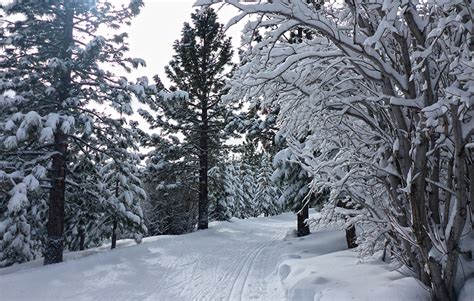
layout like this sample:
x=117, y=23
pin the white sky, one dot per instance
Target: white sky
x=153, y=32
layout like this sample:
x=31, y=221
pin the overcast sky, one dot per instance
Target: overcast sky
x=156, y=28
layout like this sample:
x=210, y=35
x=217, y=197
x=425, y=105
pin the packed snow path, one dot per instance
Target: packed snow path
x=250, y=259
x=229, y=261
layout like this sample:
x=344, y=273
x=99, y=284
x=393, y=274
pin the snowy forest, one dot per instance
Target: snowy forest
x=345, y=119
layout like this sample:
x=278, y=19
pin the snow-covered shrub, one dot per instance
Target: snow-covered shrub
x=385, y=90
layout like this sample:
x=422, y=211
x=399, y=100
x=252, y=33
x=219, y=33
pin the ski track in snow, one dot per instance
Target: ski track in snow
x=229, y=261
x=253, y=259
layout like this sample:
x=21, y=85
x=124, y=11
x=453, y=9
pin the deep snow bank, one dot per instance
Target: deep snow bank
x=318, y=267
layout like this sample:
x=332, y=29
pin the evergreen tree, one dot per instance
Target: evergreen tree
x=105, y=191
x=223, y=193
x=200, y=66
x=294, y=182
x=51, y=72
x=268, y=193
x=247, y=179
x=243, y=188
x=170, y=182
x=124, y=189
x=84, y=205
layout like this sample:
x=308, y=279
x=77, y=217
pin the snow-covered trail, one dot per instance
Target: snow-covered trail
x=229, y=261
x=251, y=259
x=235, y=261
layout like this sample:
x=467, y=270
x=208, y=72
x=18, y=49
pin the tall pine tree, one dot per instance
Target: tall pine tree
x=52, y=70
x=200, y=66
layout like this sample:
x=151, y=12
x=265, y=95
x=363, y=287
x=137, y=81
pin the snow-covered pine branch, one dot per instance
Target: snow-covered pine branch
x=54, y=87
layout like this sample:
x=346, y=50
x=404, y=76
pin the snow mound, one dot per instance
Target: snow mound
x=318, y=267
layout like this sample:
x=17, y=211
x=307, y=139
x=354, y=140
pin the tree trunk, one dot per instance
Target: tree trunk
x=351, y=237
x=55, y=227
x=471, y=195
x=82, y=238
x=461, y=212
x=114, y=234
x=302, y=227
x=203, y=168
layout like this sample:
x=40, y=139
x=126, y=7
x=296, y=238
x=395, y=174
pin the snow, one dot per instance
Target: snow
x=39, y=171
x=52, y=121
x=19, y=199
x=31, y=182
x=32, y=120
x=467, y=291
x=46, y=135
x=178, y=94
x=10, y=142
x=10, y=125
x=252, y=259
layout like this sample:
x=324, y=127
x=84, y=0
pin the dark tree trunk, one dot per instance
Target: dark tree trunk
x=351, y=237
x=55, y=227
x=302, y=228
x=203, y=168
x=114, y=223
x=82, y=238
x=114, y=234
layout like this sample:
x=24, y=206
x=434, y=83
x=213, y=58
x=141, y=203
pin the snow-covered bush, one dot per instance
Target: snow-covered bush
x=382, y=93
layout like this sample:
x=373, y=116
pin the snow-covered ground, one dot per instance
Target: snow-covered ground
x=252, y=259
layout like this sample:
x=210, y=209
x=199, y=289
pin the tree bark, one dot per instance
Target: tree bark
x=470, y=167
x=82, y=238
x=114, y=223
x=203, y=168
x=302, y=228
x=114, y=235
x=460, y=215
x=351, y=237
x=55, y=227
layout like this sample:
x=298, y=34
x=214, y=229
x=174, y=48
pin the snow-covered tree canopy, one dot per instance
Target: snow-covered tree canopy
x=383, y=90
x=55, y=86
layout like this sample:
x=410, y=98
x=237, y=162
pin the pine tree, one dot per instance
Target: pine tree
x=170, y=182
x=105, y=192
x=268, y=193
x=247, y=179
x=84, y=205
x=52, y=71
x=200, y=65
x=294, y=182
x=124, y=188
x=222, y=196
x=237, y=194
